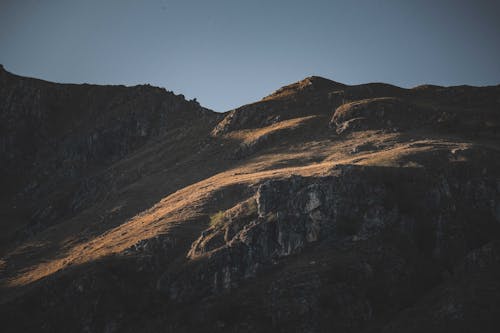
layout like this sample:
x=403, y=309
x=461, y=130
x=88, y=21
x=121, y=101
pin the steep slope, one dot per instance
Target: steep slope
x=321, y=207
x=59, y=141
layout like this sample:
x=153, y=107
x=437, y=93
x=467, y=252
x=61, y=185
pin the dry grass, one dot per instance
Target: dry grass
x=251, y=135
x=289, y=90
x=313, y=157
x=217, y=219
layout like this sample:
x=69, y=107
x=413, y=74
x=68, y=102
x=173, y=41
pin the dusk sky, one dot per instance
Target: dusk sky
x=227, y=53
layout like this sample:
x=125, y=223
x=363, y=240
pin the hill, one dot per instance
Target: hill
x=322, y=207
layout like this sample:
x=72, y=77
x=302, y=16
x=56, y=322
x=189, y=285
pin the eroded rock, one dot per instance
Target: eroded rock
x=433, y=213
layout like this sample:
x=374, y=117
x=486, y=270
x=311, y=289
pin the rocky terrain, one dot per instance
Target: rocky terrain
x=323, y=207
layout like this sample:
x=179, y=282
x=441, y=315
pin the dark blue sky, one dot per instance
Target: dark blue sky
x=229, y=52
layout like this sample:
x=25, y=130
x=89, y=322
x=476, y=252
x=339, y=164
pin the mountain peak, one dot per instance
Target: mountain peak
x=309, y=84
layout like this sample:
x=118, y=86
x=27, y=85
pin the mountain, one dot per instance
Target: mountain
x=323, y=207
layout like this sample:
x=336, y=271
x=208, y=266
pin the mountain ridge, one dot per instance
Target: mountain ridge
x=195, y=219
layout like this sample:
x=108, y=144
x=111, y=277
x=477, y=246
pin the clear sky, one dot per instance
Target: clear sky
x=227, y=53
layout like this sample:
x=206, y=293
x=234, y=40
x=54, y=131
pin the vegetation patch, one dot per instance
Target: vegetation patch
x=217, y=219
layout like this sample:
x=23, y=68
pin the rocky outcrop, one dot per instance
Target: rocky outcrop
x=441, y=216
x=386, y=113
x=379, y=113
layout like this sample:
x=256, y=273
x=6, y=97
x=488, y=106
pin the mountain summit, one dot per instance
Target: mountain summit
x=322, y=207
x=309, y=84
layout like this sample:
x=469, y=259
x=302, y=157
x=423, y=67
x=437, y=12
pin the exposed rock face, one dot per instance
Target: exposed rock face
x=424, y=225
x=394, y=114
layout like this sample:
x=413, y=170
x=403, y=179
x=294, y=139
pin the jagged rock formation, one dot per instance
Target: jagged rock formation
x=428, y=223
x=323, y=207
